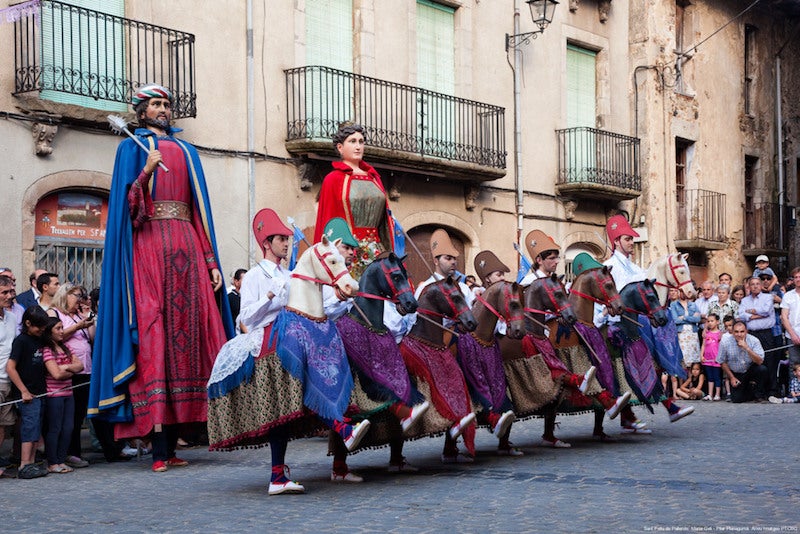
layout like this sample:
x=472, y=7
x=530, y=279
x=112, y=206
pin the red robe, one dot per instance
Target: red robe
x=337, y=198
x=180, y=327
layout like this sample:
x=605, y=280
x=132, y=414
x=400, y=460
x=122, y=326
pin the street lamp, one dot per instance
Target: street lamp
x=542, y=12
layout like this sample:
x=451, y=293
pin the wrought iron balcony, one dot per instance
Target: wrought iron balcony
x=68, y=52
x=762, y=228
x=430, y=130
x=597, y=164
x=701, y=220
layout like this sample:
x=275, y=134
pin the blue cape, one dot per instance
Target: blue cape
x=116, y=343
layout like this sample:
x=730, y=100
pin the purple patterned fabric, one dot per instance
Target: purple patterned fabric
x=483, y=369
x=376, y=356
x=314, y=354
x=600, y=357
x=638, y=363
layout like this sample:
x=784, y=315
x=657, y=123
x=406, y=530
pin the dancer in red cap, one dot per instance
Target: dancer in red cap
x=621, y=236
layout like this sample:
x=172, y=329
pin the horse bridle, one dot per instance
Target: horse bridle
x=551, y=295
x=649, y=311
x=507, y=298
x=672, y=269
x=450, y=302
x=321, y=258
x=596, y=277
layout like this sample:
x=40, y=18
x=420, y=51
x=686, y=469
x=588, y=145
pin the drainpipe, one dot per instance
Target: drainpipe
x=779, y=136
x=251, y=105
x=518, y=129
x=779, y=140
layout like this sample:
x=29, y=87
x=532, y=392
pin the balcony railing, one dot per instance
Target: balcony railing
x=600, y=161
x=78, y=52
x=701, y=217
x=395, y=116
x=762, y=226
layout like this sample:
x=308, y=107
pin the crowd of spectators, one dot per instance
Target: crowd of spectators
x=740, y=343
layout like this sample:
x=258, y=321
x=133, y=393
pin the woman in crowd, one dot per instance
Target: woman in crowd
x=724, y=306
x=71, y=307
x=737, y=294
x=687, y=318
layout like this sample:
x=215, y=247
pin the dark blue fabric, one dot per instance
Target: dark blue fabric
x=663, y=344
x=115, y=346
x=313, y=353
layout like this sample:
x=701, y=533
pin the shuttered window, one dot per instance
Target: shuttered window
x=435, y=47
x=581, y=83
x=74, y=45
x=329, y=43
x=329, y=33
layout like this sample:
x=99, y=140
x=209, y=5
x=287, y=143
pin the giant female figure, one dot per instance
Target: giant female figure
x=353, y=191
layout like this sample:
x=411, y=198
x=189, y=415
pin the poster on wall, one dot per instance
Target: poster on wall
x=66, y=216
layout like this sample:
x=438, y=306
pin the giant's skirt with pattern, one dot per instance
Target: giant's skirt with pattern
x=251, y=394
x=530, y=384
x=440, y=379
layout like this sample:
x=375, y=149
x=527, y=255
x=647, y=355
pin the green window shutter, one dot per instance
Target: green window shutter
x=329, y=43
x=435, y=47
x=88, y=46
x=581, y=83
x=329, y=33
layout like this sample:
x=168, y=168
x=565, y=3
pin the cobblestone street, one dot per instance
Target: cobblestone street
x=725, y=468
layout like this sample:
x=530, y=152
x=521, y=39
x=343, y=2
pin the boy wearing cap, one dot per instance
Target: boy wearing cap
x=159, y=327
x=336, y=304
x=763, y=268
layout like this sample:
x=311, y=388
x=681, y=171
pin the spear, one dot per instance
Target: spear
x=119, y=125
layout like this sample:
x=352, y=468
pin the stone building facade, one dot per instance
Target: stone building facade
x=608, y=109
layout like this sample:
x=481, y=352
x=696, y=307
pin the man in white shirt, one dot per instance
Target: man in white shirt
x=8, y=331
x=708, y=296
x=544, y=254
x=790, y=317
x=621, y=236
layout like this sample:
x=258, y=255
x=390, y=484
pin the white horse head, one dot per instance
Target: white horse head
x=332, y=268
x=671, y=271
x=320, y=264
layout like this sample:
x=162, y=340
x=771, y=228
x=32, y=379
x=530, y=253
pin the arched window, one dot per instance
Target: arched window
x=69, y=235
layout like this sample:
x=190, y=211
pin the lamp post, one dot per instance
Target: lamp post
x=542, y=14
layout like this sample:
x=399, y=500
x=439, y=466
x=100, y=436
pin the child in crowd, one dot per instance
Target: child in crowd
x=692, y=388
x=711, y=338
x=794, y=388
x=763, y=269
x=25, y=369
x=727, y=321
x=61, y=365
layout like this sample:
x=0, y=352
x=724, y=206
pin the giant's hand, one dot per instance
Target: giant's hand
x=153, y=159
x=216, y=279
